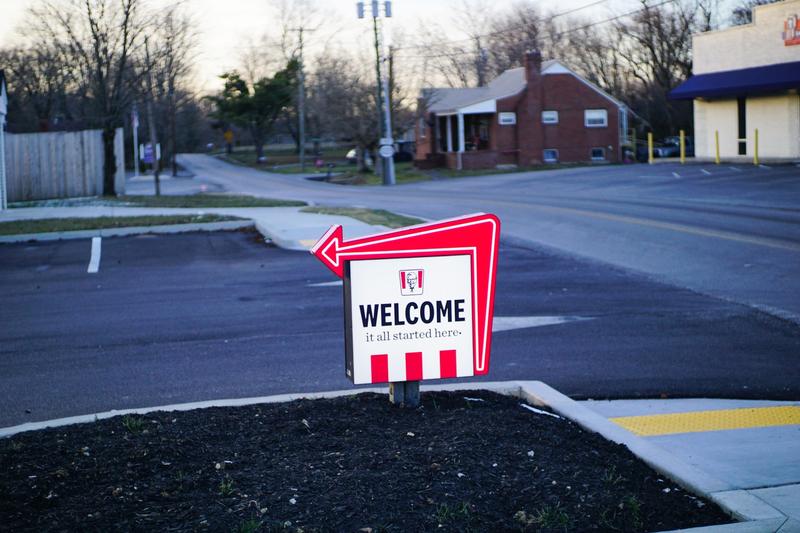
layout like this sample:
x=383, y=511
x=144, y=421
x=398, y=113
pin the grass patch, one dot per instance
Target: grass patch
x=547, y=517
x=18, y=227
x=226, y=487
x=286, y=161
x=376, y=217
x=189, y=200
x=446, y=513
x=133, y=424
x=345, y=172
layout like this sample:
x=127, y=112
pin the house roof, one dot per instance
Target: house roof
x=510, y=82
x=755, y=80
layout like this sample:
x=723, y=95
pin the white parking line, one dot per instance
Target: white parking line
x=765, y=166
x=675, y=174
x=94, y=260
x=736, y=169
x=706, y=172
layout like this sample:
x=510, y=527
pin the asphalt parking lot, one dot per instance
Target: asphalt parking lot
x=179, y=318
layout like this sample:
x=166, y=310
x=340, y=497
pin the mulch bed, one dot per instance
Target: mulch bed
x=471, y=461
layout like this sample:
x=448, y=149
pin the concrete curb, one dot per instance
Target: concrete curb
x=757, y=516
x=132, y=230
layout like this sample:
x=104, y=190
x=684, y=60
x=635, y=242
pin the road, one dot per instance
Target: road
x=179, y=318
x=729, y=231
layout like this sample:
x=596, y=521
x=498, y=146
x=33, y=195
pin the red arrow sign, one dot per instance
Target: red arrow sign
x=475, y=235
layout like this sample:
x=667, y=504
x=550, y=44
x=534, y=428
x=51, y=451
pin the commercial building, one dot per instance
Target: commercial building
x=746, y=78
x=540, y=113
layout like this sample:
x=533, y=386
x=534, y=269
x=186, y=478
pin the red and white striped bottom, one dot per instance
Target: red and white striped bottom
x=415, y=366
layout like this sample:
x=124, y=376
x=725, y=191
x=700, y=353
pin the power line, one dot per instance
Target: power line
x=510, y=28
x=551, y=37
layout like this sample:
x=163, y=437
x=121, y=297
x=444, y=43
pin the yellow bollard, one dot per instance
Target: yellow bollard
x=755, y=152
x=683, y=147
x=716, y=140
x=650, y=147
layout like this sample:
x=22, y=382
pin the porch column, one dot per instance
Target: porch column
x=437, y=135
x=460, y=155
x=449, y=133
x=460, y=132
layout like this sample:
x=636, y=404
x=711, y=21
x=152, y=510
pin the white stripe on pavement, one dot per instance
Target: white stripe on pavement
x=675, y=174
x=706, y=172
x=94, y=261
x=336, y=283
x=507, y=323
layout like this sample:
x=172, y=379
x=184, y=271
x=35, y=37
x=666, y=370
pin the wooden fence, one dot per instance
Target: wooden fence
x=40, y=166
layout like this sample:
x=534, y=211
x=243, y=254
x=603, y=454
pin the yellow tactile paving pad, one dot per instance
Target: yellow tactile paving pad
x=697, y=421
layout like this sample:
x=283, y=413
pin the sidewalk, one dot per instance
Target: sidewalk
x=746, y=448
x=287, y=227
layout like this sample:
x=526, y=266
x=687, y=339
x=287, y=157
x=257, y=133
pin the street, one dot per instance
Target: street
x=170, y=319
x=728, y=231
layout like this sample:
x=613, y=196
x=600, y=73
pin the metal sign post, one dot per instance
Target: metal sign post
x=418, y=301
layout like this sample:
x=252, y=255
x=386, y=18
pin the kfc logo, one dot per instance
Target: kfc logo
x=791, y=31
x=411, y=282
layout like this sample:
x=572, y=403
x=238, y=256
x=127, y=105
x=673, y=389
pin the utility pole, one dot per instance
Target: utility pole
x=151, y=120
x=386, y=150
x=301, y=102
x=173, y=117
x=135, y=128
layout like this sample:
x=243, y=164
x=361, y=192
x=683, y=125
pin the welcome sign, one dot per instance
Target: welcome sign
x=418, y=301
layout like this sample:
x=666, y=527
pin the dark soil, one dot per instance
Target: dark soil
x=348, y=464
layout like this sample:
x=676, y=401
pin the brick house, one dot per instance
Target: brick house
x=540, y=113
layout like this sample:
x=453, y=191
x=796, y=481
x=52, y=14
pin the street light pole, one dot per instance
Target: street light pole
x=386, y=150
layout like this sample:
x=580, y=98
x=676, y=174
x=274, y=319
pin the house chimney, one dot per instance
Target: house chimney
x=533, y=65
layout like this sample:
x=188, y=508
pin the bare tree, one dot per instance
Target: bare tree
x=655, y=45
x=513, y=33
x=743, y=12
x=172, y=63
x=342, y=98
x=99, y=38
x=41, y=85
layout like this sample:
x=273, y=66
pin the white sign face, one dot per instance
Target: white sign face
x=386, y=150
x=411, y=319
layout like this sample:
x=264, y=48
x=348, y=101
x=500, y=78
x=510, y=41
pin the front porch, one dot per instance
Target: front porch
x=463, y=141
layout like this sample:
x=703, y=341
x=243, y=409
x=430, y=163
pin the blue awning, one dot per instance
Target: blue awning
x=746, y=81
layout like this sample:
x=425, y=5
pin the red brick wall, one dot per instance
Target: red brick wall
x=573, y=140
x=424, y=144
x=503, y=139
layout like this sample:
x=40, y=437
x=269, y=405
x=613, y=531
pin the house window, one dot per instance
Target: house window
x=506, y=119
x=422, y=126
x=598, y=154
x=549, y=117
x=595, y=118
x=550, y=155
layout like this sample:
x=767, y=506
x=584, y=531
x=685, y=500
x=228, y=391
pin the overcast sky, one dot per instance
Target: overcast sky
x=226, y=25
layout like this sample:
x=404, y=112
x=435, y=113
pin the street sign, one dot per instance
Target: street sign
x=386, y=150
x=147, y=154
x=418, y=301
